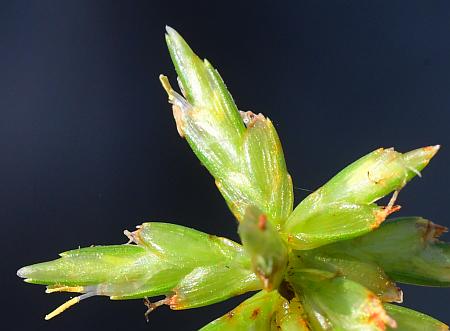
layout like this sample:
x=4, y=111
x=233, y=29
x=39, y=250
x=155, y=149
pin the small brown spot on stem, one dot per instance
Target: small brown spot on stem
x=255, y=313
x=262, y=222
x=230, y=315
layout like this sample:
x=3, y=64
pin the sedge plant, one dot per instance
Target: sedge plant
x=331, y=263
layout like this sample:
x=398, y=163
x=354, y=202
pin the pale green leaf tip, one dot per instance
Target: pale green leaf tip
x=172, y=32
x=24, y=272
x=419, y=158
x=166, y=85
x=169, y=32
x=175, y=41
x=169, y=28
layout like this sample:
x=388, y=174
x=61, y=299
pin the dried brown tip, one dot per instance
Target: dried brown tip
x=133, y=237
x=151, y=306
x=431, y=231
x=250, y=118
x=381, y=215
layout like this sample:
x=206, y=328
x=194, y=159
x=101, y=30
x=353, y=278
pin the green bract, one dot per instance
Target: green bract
x=269, y=253
x=329, y=264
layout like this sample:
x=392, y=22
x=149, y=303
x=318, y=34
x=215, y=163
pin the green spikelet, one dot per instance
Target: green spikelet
x=331, y=263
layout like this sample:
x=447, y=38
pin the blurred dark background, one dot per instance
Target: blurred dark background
x=89, y=146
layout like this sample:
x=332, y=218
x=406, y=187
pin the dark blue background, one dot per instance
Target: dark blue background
x=89, y=147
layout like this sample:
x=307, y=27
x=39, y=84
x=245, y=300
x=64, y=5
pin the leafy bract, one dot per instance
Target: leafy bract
x=337, y=303
x=268, y=252
x=410, y=320
x=188, y=266
x=366, y=273
x=255, y=313
x=246, y=160
x=344, y=207
x=407, y=249
x=211, y=284
x=265, y=311
x=318, y=267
